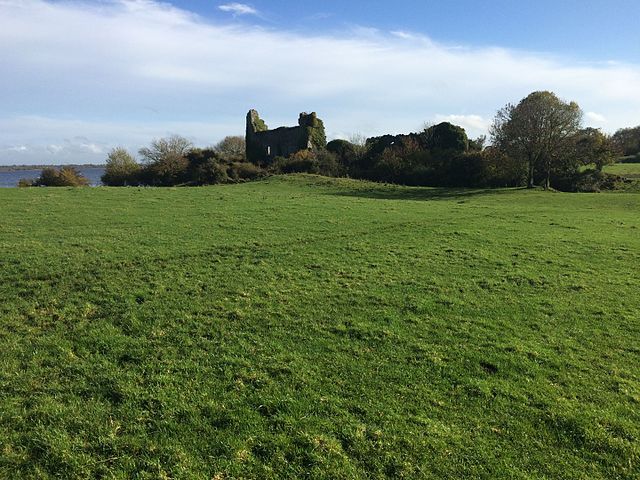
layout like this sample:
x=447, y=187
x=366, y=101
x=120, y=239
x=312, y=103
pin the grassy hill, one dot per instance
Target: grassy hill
x=307, y=327
x=629, y=170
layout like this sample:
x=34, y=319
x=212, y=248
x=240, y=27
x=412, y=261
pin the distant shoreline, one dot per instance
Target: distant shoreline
x=17, y=168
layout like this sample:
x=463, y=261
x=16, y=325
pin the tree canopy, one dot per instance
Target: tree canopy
x=538, y=131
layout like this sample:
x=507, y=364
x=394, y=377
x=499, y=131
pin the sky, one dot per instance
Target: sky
x=80, y=77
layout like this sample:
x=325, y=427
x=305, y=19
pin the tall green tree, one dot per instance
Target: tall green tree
x=628, y=140
x=121, y=169
x=538, y=131
x=595, y=148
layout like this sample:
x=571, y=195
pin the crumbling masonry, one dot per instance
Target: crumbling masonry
x=263, y=145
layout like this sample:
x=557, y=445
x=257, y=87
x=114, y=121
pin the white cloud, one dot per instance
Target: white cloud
x=474, y=123
x=595, y=117
x=126, y=71
x=17, y=148
x=238, y=9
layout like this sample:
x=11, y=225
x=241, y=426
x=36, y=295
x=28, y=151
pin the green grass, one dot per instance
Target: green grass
x=629, y=170
x=306, y=327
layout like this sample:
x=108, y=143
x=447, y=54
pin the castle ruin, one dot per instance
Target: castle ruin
x=263, y=145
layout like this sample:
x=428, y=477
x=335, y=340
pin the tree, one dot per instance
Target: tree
x=446, y=136
x=121, y=169
x=165, y=162
x=164, y=148
x=538, y=131
x=478, y=144
x=593, y=147
x=231, y=148
x=628, y=140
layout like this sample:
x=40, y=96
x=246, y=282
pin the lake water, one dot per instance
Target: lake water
x=11, y=178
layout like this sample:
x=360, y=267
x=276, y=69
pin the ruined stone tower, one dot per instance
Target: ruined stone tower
x=263, y=145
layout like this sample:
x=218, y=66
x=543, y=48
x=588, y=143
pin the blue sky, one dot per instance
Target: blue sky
x=80, y=77
x=584, y=29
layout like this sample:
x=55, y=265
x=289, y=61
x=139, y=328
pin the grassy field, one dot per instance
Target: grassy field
x=303, y=327
x=629, y=170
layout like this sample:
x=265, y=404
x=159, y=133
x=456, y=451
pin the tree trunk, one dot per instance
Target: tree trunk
x=547, y=180
x=530, y=174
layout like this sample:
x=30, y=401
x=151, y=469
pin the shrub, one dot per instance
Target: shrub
x=303, y=161
x=121, y=169
x=347, y=154
x=165, y=162
x=446, y=136
x=203, y=167
x=590, y=181
x=246, y=171
x=328, y=164
x=26, y=182
x=63, y=177
x=168, y=171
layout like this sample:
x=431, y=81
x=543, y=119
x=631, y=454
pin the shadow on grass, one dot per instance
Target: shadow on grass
x=397, y=192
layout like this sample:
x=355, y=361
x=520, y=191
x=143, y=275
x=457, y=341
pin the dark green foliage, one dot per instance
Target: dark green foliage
x=540, y=132
x=241, y=171
x=66, y=176
x=170, y=170
x=320, y=162
x=628, y=140
x=165, y=163
x=303, y=161
x=205, y=167
x=221, y=164
x=446, y=137
x=478, y=144
x=305, y=327
x=592, y=147
x=342, y=148
x=591, y=181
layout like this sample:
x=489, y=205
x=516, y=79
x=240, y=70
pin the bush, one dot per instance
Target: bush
x=347, y=154
x=166, y=164
x=26, y=182
x=303, y=161
x=63, y=177
x=446, y=136
x=328, y=164
x=589, y=181
x=245, y=171
x=168, y=171
x=121, y=169
x=203, y=167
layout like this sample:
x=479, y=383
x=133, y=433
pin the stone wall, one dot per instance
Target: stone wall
x=263, y=145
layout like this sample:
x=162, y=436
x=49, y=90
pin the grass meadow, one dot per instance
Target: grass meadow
x=303, y=327
x=629, y=170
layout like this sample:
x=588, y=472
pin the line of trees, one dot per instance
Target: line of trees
x=175, y=161
x=539, y=141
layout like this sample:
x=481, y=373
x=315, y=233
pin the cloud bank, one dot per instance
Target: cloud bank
x=87, y=76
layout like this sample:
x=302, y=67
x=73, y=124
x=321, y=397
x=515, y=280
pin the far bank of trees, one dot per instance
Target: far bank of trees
x=539, y=141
